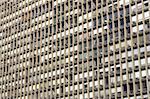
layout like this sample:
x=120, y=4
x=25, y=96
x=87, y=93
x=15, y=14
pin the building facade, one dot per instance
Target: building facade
x=75, y=49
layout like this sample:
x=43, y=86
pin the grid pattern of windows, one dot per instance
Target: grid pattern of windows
x=74, y=49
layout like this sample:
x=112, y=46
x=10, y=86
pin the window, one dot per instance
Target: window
x=50, y=29
x=121, y=13
x=94, y=22
x=144, y=84
x=116, y=23
x=141, y=40
x=40, y=9
x=110, y=26
x=122, y=22
x=71, y=40
x=125, y=88
x=106, y=80
x=148, y=38
x=99, y=21
x=131, y=87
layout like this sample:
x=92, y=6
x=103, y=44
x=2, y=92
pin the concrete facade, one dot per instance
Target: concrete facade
x=75, y=49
